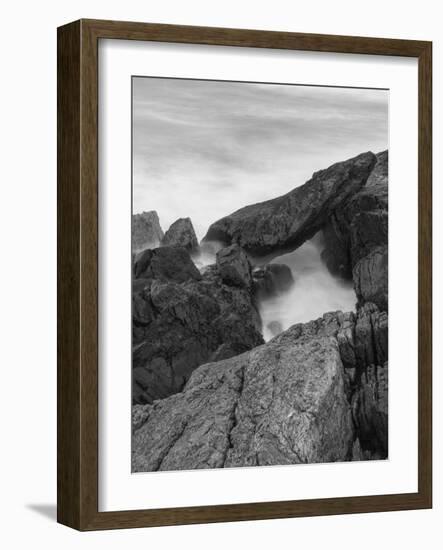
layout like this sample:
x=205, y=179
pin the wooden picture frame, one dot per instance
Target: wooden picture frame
x=78, y=274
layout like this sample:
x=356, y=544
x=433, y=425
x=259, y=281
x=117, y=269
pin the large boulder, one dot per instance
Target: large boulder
x=166, y=263
x=182, y=319
x=146, y=231
x=284, y=223
x=315, y=393
x=277, y=404
x=181, y=233
x=234, y=267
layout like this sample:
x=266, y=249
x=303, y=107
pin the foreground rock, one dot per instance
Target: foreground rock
x=286, y=222
x=315, y=393
x=146, y=231
x=181, y=233
x=356, y=237
x=182, y=319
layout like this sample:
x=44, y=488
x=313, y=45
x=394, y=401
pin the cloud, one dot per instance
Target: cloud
x=205, y=148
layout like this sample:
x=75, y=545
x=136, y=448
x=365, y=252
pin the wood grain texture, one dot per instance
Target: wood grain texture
x=78, y=274
x=68, y=275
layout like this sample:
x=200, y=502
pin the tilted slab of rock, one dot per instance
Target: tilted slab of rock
x=284, y=223
x=146, y=231
x=181, y=233
x=306, y=396
x=277, y=404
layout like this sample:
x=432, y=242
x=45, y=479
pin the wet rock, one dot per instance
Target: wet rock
x=181, y=233
x=234, y=267
x=271, y=279
x=166, y=263
x=356, y=237
x=286, y=222
x=146, y=231
x=178, y=325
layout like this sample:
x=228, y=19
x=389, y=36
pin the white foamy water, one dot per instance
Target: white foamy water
x=314, y=292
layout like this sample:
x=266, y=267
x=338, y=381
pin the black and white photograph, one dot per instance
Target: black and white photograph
x=259, y=274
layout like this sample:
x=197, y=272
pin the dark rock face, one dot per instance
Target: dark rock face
x=234, y=267
x=181, y=233
x=356, y=237
x=370, y=411
x=309, y=395
x=370, y=276
x=271, y=279
x=181, y=319
x=146, y=231
x=166, y=263
x=286, y=222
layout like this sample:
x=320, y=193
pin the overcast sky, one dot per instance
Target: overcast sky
x=204, y=149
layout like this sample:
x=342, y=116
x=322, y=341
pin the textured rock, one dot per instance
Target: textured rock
x=370, y=411
x=277, y=404
x=166, y=263
x=306, y=396
x=234, y=267
x=181, y=233
x=285, y=222
x=370, y=276
x=357, y=235
x=180, y=322
x=271, y=279
x=146, y=231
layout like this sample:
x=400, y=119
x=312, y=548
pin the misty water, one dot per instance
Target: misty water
x=314, y=292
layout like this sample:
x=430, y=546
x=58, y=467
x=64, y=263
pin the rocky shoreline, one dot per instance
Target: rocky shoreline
x=208, y=392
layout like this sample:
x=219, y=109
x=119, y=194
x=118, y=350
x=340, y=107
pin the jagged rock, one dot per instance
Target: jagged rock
x=355, y=230
x=370, y=411
x=140, y=414
x=271, y=279
x=178, y=325
x=234, y=267
x=166, y=263
x=285, y=222
x=281, y=403
x=181, y=233
x=370, y=276
x=371, y=336
x=146, y=231
x=289, y=401
x=224, y=351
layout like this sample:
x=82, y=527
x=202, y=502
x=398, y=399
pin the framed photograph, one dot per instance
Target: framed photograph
x=244, y=254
